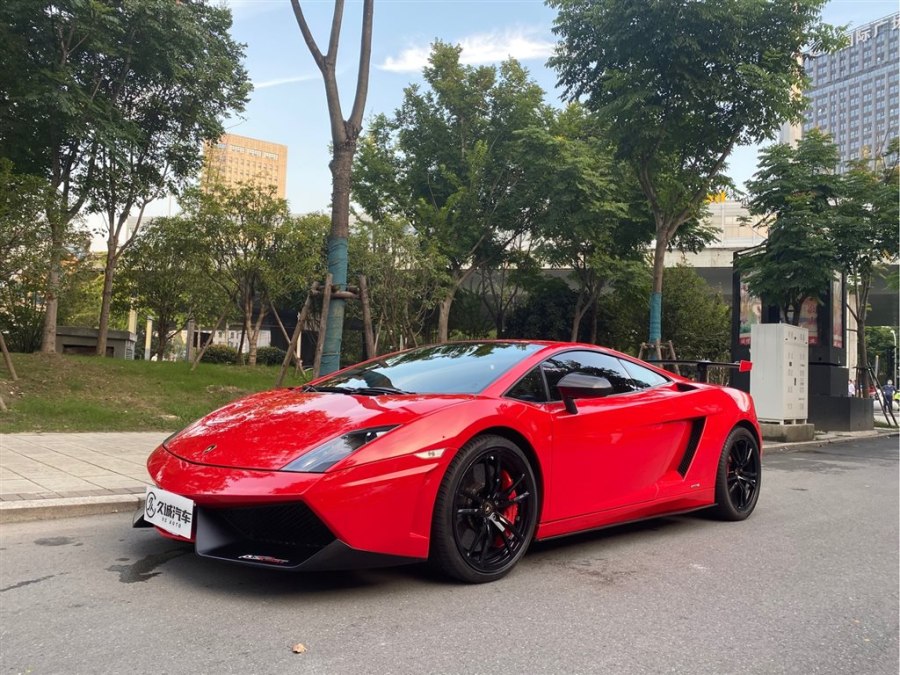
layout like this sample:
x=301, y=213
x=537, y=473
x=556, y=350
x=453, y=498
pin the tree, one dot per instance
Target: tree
x=25, y=243
x=446, y=162
x=163, y=273
x=258, y=253
x=405, y=279
x=107, y=100
x=864, y=235
x=159, y=113
x=795, y=192
x=678, y=83
x=50, y=106
x=344, y=136
x=23, y=229
x=699, y=321
x=586, y=223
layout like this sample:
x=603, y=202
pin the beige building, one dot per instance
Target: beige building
x=234, y=160
x=730, y=218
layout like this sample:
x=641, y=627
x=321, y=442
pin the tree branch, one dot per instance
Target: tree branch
x=307, y=35
x=362, y=77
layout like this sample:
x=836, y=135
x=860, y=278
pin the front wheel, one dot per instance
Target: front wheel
x=486, y=511
x=739, y=476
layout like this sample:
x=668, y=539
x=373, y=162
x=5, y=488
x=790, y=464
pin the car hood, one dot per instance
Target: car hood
x=267, y=431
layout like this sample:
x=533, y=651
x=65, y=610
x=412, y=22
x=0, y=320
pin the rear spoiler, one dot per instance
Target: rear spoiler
x=703, y=366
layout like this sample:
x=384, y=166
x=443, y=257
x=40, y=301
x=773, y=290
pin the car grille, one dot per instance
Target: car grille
x=290, y=532
x=284, y=524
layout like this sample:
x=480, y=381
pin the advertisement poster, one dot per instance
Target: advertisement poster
x=809, y=319
x=751, y=313
x=837, y=313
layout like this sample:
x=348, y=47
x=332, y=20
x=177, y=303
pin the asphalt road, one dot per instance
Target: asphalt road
x=809, y=584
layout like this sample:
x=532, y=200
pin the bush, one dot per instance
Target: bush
x=270, y=356
x=220, y=354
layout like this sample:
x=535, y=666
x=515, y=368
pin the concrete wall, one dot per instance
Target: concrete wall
x=78, y=340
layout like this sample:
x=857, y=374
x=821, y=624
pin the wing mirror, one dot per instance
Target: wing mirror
x=580, y=385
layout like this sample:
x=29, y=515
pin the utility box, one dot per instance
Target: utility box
x=779, y=381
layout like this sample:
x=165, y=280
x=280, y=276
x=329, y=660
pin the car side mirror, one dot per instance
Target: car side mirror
x=580, y=385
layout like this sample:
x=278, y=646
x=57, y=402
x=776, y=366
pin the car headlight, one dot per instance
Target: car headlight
x=328, y=454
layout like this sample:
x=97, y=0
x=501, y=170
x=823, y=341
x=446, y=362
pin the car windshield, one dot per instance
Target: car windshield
x=455, y=368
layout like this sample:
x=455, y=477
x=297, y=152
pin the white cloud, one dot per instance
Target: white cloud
x=266, y=84
x=482, y=48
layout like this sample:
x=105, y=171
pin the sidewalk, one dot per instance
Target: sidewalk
x=45, y=476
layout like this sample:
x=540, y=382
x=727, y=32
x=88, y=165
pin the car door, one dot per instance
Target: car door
x=614, y=451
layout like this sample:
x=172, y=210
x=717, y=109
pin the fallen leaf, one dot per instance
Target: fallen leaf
x=299, y=648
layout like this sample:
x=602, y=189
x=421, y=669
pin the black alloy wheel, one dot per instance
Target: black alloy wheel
x=486, y=511
x=739, y=476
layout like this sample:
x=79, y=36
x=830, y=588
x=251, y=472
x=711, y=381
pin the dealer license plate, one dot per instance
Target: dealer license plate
x=170, y=512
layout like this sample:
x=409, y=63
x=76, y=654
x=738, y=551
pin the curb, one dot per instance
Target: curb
x=71, y=507
x=780, y=447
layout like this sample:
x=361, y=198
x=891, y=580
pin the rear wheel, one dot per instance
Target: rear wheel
x=486, y=511
x=739, y=476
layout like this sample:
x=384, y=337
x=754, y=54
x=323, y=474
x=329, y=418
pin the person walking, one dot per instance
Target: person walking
x=888, y=394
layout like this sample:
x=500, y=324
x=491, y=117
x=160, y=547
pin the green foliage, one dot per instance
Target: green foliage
x=546, y=314
x=880, y=343
x=270, y=356
x=405, y=278
x=699, y=321
x=446, y=163
x=220, y=354
x=676, y=84
x=864, y=233
x=590, y=219
x=163, y=274
x=111, y=102
x=796, y=191
x=254, y=250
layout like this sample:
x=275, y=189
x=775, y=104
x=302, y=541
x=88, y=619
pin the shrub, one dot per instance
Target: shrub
x=270, y=356
x=220, y=354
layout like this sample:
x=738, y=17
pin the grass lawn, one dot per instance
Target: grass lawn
x=86, y=393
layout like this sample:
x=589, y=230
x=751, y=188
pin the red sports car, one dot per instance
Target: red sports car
x=460, y=453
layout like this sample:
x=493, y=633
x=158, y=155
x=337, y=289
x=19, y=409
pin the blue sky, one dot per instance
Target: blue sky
x=288, y=103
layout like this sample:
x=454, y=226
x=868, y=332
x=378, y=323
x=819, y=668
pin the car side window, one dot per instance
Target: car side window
x=530, y=388
x=643, y=377
x=589, y=363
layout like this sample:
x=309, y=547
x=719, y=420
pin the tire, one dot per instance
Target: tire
x=739, y=476
x=486, y=511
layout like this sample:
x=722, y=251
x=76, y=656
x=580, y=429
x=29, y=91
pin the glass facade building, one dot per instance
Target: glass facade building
x=853, y=93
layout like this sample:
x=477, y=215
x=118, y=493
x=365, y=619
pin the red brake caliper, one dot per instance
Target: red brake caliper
x=511, y=511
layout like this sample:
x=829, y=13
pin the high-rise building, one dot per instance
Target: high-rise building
x=234, y=160
x=853, y=93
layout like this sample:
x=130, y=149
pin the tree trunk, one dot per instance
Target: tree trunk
x=659, y=265
x=51, y=293
x=253, y=337
x=162, y=332
x=580, y=309
x=344, y=135
x=862, y=371
x=447, y=302
x=861, y=296
x=106, y=298
x=337, y=253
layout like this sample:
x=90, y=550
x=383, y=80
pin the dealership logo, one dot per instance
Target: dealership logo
x=170, y=512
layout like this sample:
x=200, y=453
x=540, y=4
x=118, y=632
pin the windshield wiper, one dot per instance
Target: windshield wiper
x=382, y=390
x=329, y=390
x=365, y=391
